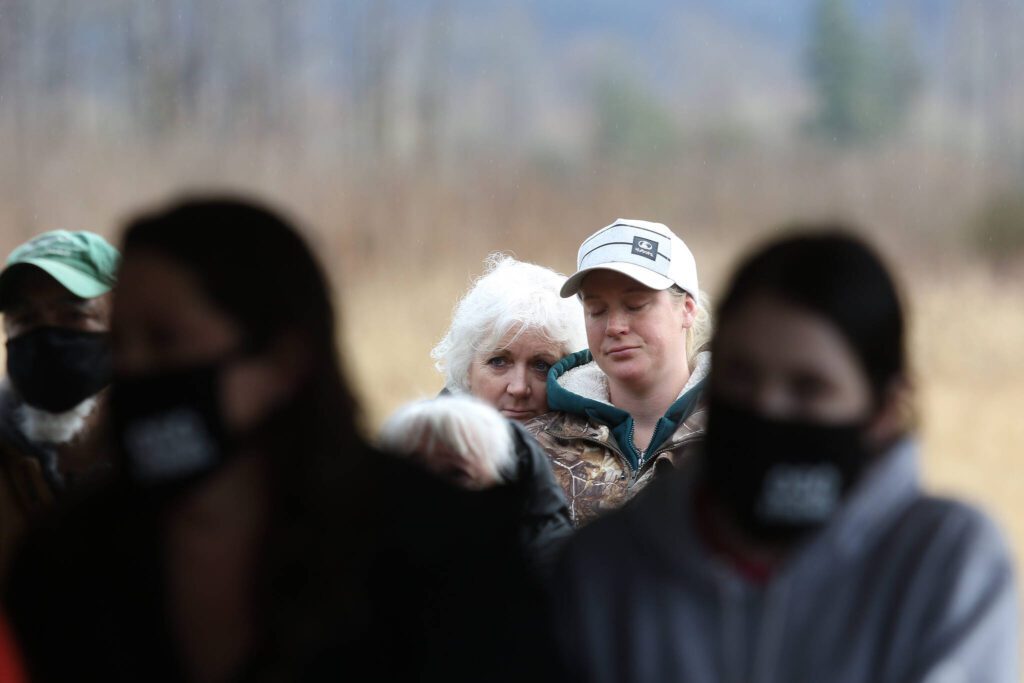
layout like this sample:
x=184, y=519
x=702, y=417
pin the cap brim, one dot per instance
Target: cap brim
x=642, y=275
x=74, y=281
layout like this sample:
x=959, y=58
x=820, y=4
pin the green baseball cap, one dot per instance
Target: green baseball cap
x=82, y=262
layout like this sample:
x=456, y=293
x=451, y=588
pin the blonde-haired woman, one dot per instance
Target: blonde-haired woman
x=632, y=402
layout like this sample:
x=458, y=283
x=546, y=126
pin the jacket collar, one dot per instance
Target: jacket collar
x=576, y=385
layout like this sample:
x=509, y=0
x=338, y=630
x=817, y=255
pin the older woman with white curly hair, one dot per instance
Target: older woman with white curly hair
x=506, y=333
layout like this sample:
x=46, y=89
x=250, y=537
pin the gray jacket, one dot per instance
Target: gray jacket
x=899, y=588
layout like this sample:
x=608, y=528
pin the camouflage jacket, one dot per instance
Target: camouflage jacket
x=25, y=489
x=591, y=449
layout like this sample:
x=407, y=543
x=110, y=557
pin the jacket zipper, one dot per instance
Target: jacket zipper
x=632, y=444
x=671, y=447
x=634, y=475
x=640, y=454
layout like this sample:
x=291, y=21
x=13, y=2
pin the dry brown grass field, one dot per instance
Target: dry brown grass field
x=967, y=346
x=403, y=246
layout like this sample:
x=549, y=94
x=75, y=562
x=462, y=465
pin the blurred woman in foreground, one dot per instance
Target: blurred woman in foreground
x=253, y=535
x=799, y=546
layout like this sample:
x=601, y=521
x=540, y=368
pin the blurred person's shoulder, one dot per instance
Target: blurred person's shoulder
x=930, y=530
x=87, y=575
x=406, y=499
x=951, y=534
x=88, y=531
x=648, y=533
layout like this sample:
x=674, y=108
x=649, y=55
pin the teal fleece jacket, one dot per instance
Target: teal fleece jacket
x=617, y=420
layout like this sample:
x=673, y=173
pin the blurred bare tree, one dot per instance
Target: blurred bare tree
x=328, y=103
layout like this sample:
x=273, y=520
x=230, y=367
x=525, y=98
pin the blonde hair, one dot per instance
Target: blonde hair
x=698, y=336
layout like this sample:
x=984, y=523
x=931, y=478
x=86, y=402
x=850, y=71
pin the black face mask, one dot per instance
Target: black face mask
x=54, y=369
x=781, y=479
x=169, y=426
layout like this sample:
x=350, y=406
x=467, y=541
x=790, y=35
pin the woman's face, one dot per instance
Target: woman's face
x=637, y=335
x=164, y=322
x=162, y=319
x=513, y=376
x=787, y=363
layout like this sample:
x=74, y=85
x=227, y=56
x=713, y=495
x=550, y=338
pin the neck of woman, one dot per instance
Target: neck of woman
x=648, y=403
x=213, y=541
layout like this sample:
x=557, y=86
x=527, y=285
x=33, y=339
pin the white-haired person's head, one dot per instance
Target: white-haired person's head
x=506, y=333
x=459, y=438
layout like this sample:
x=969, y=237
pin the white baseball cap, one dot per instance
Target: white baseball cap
x=648, y=252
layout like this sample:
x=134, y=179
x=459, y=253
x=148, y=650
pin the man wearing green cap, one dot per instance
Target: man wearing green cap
x=55, y=300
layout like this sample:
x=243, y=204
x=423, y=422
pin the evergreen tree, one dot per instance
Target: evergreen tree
x=835, y=64
x=864, y=86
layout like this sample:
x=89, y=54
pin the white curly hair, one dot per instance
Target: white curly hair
x=511, y=297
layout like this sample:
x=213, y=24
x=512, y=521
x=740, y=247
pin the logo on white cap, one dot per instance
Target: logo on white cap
x=645, y=248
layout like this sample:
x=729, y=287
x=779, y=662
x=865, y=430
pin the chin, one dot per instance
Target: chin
x=640, y=382
x=626, y=372
x=520, y=415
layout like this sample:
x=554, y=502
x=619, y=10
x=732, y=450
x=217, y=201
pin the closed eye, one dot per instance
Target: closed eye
x=636, y=304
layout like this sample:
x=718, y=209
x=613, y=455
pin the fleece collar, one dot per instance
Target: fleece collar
x=577, y=385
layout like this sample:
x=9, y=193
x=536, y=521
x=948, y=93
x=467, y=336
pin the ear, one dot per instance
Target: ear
x=289, y=356
x=894, y=417
x=689, y=311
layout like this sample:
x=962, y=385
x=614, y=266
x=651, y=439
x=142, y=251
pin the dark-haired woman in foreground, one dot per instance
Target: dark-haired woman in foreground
x=252, y=534
x=798, y=546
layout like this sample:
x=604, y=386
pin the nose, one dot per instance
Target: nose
x=617, y=324
x=518, y=386
x=772, y=400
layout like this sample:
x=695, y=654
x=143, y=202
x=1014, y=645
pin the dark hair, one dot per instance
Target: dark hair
x=830, y=273
x=257, y=270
